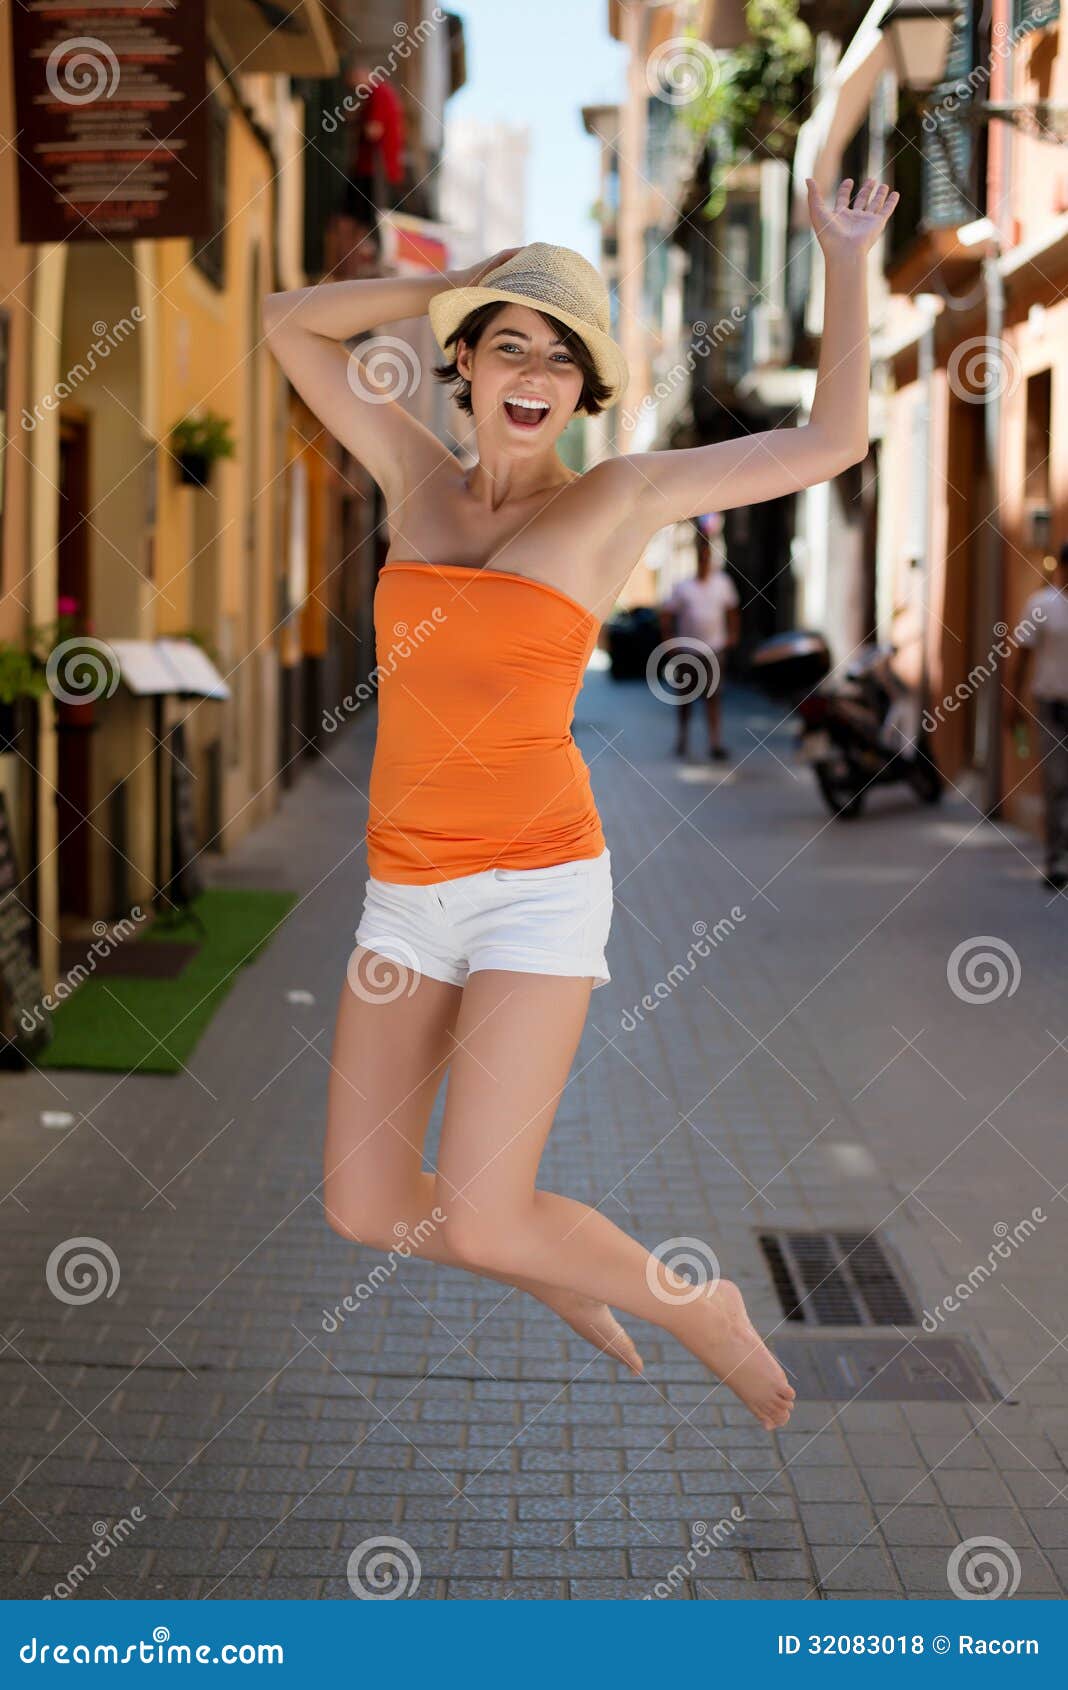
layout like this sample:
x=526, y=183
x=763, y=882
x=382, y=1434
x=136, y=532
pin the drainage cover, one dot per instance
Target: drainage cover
x=883, y=1369
x=837, y=1279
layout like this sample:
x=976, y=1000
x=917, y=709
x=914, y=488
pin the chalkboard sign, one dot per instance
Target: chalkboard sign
x=186, y=880
x=25, y=1024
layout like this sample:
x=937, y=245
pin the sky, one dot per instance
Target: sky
x=537, y=66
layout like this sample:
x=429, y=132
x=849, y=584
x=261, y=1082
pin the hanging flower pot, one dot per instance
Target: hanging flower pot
x=196, y=442
x=194, y=468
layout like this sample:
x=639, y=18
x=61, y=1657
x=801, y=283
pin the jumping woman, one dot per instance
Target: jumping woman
x=490, y=890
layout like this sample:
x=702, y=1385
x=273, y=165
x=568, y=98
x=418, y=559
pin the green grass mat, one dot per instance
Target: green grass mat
x=151, y=1026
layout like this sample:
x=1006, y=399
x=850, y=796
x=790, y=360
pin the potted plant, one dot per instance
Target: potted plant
x=197, y=441
x=23, y=671
x=755, y=104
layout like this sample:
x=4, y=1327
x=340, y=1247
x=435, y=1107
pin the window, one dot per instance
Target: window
x=1032, y=14
x=209, y=255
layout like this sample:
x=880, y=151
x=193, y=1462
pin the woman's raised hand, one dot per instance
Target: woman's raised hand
x=473, y=274
x=850, y=229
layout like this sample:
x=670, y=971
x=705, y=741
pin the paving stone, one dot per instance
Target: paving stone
x=866, y=1568
x=766, y=1590
x=838, y=1523
x=911, y=1526
x=621, y=1590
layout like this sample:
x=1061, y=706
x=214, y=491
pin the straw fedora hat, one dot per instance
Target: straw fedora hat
x=547, y=278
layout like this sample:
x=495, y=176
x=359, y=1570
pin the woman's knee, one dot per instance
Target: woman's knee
x=476, y=1241
x=375, y=1221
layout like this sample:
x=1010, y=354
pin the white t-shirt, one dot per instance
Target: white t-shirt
x=702, y=606
x=1048, y=638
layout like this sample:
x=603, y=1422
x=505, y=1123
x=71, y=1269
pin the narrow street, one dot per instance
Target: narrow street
x=832, y=1064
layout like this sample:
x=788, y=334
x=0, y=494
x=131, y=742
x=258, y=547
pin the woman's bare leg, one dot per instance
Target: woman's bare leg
x=516, y=1038
x=392, y=1044
x=514, y=1041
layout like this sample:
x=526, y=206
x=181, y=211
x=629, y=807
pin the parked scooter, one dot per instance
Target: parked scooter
x=861, y=732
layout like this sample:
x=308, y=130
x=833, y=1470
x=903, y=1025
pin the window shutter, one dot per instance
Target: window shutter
x=1033, y=14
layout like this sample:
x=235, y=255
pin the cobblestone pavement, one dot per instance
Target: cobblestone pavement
x=823, y=1066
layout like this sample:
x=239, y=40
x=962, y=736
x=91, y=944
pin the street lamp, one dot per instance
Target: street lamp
x=919, y=37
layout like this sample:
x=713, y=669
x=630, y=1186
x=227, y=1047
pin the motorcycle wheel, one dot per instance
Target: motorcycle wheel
x=925, y=780
x=842, y=797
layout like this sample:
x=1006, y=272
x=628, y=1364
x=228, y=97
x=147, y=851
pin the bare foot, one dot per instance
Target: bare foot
x=717, y=1329
x=596, y=1323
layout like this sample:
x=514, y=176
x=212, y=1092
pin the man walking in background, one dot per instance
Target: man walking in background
x=1042, y=662
x=705, y=610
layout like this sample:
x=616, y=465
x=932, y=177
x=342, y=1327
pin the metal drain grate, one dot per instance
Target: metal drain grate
x=836, y=1279
x=883, y=1369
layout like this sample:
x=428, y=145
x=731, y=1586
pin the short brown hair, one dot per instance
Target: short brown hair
x=595, y=392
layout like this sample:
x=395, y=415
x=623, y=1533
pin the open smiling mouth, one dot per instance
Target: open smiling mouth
x=526, y=413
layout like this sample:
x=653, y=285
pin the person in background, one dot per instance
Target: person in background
x=1041, y=662
x=705, y=610
x=375, y=129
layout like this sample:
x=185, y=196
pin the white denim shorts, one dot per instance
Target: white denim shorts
x=551, y=920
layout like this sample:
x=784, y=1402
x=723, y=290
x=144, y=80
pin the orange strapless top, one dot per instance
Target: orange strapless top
x=475, y=765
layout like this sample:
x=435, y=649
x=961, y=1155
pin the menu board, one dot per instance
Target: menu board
x=112, y=114
x=25, y=1023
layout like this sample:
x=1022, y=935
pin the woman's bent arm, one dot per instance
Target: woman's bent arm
x=306, y=330
x=671, y=486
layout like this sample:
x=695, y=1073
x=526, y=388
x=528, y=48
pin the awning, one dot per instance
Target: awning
x=268, y=35
x=416, y=246
x=151, y=667
x=842, y=105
